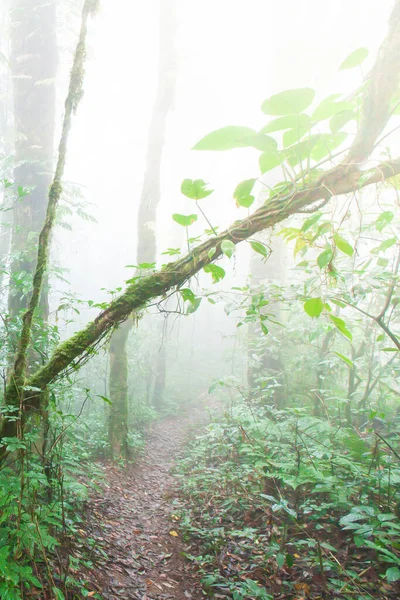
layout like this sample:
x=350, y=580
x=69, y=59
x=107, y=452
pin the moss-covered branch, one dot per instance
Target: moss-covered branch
x=17, y=373
x=340, y=180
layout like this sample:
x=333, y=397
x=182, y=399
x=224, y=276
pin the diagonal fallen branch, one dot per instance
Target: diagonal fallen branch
x=340, y=180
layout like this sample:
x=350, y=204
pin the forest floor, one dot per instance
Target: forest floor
x=130, y=518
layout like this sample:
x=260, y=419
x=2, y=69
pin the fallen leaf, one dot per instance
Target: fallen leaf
x=173, y=533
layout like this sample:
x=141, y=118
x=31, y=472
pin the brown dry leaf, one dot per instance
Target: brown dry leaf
x=90, y=594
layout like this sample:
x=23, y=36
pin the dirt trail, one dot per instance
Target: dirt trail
x=131, y=519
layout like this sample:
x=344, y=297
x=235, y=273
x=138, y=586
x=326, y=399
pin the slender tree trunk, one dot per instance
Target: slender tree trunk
x=21, y=402
x=149, y=200
x=33, y=65
x=5, y=142
x=118, y=423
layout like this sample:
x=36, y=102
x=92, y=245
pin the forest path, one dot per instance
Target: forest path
x=131, y=519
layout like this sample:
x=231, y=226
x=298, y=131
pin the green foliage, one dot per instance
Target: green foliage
x=196, y=190
x=289, y=102
x=184, y=220
x=271, y=490
x=314, y=307
x=228, y=248
x=242, y=193
x=226, y=138
x=354, y=59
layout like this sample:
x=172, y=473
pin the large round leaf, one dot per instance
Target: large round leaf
x=269, y=160
x=354, y=59
x=289, y=122
x=288, y=102
x=242, y=193
x=184, y=220
x=195, y=190
x=226, y=138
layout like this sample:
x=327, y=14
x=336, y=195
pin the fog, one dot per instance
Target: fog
x=230, y=57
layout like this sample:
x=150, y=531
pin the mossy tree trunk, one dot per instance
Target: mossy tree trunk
x=33, y=66
x=19, y=400
x=146, y=226
x=118, y=421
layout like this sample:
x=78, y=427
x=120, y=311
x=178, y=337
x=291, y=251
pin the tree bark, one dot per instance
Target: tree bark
x=149, y=201
x=33, y=66
x=18, y=400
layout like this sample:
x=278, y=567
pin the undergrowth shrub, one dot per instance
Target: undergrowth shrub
x=280, y=498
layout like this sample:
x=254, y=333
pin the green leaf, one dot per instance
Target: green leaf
x=341, y=326
x=58, y=595
x=184, y=220
x=301, y=151
x=264, y=143
x=385, y=245
x=260, y=248
x=345, y=359
x=292, y=136
x=193, y=306
x=242, y=193
x=329, y=107
x=211, y=252
x=325, y=258
x=269, y=160
x=314, y=307
x=392, y=574
x=354, y=59
x=187, y=295
x=245, y=201
x=105, y=399
x=326, y=144
x=228, y=248
x=225, y=138
x=280, y=560
x=288, y=102
x=341, y=119
x=343, y=245
x=290, y=560
x=383, y=220
x=195, y=190
x=322, y=229
x=382, y=262
x=217, y=272
x=311, y=221
x=300, y=121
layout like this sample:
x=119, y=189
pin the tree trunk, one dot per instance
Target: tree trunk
x=6, y=150
x=33, y=65
x=149, y=200
x=118, y=421
x=19, y=400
